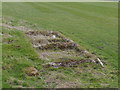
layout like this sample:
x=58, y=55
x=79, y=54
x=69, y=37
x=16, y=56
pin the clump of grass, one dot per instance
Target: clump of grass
x=31, y=71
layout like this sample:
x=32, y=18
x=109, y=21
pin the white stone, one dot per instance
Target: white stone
x=1, y=34
x=53, y=36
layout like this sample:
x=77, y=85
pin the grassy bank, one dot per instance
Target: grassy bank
x=91, y=25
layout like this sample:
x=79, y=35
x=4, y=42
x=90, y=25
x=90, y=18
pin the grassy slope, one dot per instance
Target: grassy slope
x=17, y=58
x=92, y=25
x=0, y=48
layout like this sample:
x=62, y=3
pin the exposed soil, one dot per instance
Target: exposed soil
x=54, y=46
x=70, y=63
x=59, y=54
x=50, y=44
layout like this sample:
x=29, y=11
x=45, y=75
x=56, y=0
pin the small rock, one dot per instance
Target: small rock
x=54, y=36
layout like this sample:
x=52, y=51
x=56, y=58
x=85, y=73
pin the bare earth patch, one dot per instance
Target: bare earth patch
x=56, y=47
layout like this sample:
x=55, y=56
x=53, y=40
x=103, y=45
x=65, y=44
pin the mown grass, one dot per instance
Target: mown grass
x=92, y=25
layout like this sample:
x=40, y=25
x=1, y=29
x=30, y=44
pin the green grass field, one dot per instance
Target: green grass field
x=94, y=26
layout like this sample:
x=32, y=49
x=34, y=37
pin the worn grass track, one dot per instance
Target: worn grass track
x=91, y=25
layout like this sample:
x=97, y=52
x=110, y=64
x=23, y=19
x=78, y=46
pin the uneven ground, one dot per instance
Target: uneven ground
x=87, y=24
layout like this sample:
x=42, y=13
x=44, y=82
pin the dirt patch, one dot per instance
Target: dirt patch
x=70, y=63
x=59, y=54
x=55, y=46
x=58, y=45
x=48, y=44
x=45, y=40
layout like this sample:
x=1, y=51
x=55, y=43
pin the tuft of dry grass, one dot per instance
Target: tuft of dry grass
x=31, y=71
